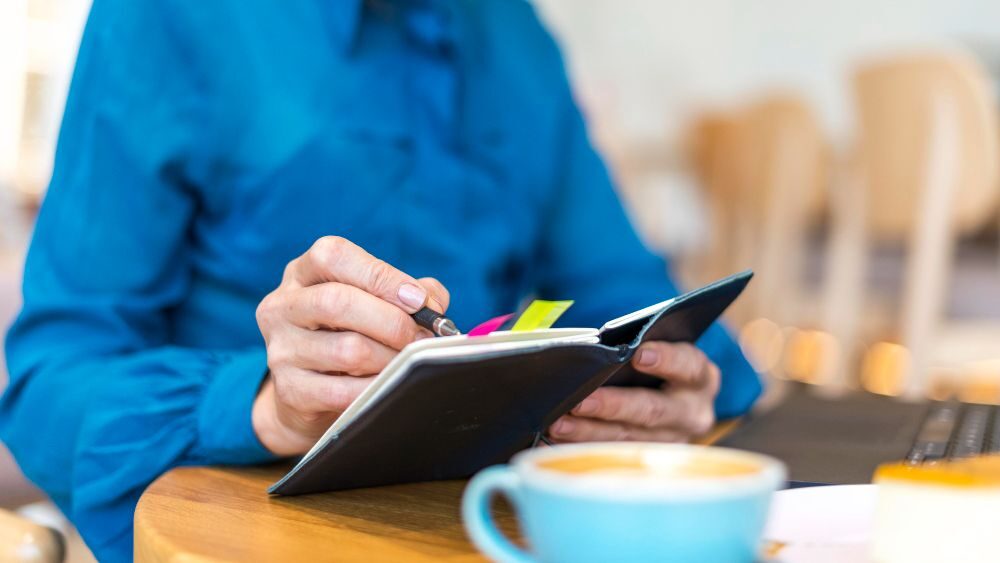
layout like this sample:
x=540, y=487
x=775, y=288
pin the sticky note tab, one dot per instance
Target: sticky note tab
x=490, y=325
x=540, y=314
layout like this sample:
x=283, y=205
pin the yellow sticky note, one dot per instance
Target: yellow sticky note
x=540, y=314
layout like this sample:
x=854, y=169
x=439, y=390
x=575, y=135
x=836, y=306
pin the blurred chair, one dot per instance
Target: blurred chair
x=713, y=147
x=788, y=158
x=923, y=171
x=22, y=540
x=764, y=169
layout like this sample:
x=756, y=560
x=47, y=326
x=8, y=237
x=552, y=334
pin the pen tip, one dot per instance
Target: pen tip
x=448, y=328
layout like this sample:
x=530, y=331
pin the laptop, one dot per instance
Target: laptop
x=842, y=440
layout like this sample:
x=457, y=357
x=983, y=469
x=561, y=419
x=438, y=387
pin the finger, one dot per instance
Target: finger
x=678, y=409
x=438, y=296
x=680, y=364
x=336, y=259
x=576, y=429
x=345, y=307
x=330, y=352
x=316, y=393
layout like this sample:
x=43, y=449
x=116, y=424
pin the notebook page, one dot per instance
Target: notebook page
x=636, y=315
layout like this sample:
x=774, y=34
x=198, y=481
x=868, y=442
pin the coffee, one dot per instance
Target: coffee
x=596, y=463
x=627, y=502
x=636, y=462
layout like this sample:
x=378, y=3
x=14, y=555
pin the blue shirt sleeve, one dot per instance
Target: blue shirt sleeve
x=99, y=404
x=591, y=253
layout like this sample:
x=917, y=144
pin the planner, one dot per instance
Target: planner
x=447, y=407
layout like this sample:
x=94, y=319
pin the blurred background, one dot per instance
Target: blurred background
x=846, y=150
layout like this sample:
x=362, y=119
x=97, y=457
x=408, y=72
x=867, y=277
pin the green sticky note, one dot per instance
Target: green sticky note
x=540, y=314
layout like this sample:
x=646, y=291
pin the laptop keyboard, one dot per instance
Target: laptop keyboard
x=955, y=430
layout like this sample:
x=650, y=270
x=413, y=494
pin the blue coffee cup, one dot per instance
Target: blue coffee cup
x=627, y=502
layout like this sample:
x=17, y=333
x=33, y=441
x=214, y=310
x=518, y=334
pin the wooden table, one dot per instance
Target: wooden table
x=214, y=514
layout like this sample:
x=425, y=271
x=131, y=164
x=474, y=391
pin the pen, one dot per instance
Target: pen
x=435, y=322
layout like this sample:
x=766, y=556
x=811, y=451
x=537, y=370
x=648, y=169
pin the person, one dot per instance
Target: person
x=249, y=198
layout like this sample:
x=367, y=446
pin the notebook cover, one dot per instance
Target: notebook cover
x=685, y=320
x=450, y=417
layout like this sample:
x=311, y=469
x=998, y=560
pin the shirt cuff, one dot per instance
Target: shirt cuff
x=225, y=426
x=741, y=385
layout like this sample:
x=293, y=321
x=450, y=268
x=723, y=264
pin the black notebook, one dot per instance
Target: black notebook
x=447, y=407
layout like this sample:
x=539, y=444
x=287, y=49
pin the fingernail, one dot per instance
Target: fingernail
x=646, y=358
x=588, y=406
x=412, y=296
x=562, y=426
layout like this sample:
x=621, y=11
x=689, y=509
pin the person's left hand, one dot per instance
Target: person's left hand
x=681, y=410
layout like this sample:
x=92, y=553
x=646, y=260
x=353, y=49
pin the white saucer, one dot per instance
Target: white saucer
x=821, y=524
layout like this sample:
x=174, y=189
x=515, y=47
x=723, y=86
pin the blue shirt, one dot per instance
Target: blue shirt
x=207, y=144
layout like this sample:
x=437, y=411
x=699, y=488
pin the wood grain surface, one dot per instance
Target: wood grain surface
x=225, y=514
x=201, y=513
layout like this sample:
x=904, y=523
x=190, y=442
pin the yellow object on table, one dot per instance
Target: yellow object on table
x=943, y=511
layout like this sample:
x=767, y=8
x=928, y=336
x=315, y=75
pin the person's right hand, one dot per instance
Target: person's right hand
x=338, y=317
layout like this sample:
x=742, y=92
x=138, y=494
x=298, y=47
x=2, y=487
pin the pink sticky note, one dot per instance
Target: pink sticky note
x=490, y=325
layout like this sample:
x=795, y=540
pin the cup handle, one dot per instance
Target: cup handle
x=479, y=522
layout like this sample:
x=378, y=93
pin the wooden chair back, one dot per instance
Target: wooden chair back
x=921, y=119
x=924, y=171
x=764, y=169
